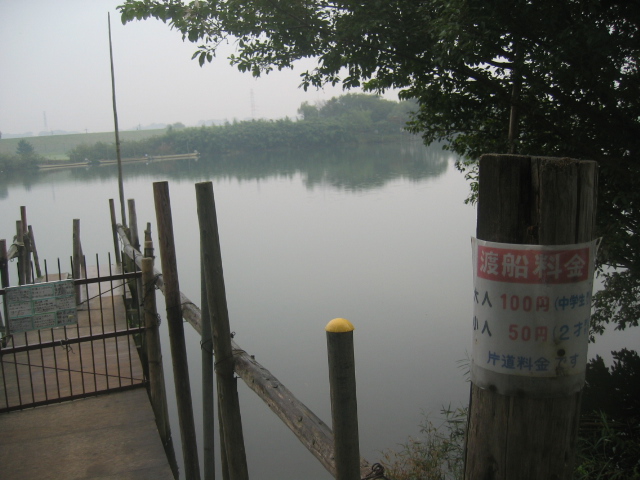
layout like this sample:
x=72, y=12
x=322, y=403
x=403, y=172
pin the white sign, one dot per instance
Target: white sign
x=532, y=308
x=41, y=305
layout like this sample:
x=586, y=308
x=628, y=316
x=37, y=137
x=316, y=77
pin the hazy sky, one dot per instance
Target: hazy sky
x=54, y=68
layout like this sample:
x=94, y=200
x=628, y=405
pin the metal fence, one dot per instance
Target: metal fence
x=97, y=354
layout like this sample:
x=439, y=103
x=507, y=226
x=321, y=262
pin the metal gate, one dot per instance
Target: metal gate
x=96, y=355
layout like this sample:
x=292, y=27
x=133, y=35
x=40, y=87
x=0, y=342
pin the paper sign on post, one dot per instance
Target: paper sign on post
x=532, y=308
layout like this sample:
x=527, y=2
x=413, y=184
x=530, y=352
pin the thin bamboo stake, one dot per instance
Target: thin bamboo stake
x=206, y=350
x=221, y=333
x=176, y=330
x=115, y=122
x=36, y=260
x=114, y=228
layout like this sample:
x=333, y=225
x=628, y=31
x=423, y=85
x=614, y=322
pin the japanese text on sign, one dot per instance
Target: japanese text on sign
x=532, y=307
x=42, y=305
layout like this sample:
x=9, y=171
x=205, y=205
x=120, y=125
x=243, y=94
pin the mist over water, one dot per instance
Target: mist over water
x=378, y=235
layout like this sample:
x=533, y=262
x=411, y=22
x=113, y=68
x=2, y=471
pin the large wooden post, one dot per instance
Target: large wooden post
x=176, y=329
x=522, y=427
x=221, y=333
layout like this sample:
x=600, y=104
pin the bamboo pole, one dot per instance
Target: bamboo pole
x=115, y=122
x=206, y=350
x=221, y=333
x=135, y=241
x=133, y=224
x=176, y=330
x=344, y=404
x=36, y=260
x=4, y=278
x=21, y=253
x=27, y=246
x=154, y=352
x=77, y=258
x=525, y=435
x=114, y=229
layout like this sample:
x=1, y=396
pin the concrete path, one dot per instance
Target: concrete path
x=109, y=437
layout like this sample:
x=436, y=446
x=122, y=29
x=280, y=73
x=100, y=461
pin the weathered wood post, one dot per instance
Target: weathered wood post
x=34, y=250
x=133, y=224
x=27, y=246
x=114, y=229
x=148, y=242
x=135, y=241
x=154, y=352
x=21, y=253
x=206, y=351
x=221, y=333
x=531, y=316
x=344, y=404
x=77, y=258
x=4, y=277
x=176, y=329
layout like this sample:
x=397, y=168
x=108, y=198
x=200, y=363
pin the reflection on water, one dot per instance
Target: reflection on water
x=376, y=234
x=360, y=168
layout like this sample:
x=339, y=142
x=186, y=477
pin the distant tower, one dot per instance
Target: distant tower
x=45, y=120
x=253, y=106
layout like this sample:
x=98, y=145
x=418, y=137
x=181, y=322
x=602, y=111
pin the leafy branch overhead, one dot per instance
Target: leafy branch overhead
x=535, y=77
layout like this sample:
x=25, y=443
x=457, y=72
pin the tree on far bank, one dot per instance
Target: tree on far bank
x=25, y=149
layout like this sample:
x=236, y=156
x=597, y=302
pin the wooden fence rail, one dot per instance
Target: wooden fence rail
x=312, y=432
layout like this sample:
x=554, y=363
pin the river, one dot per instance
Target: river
x=379, y=235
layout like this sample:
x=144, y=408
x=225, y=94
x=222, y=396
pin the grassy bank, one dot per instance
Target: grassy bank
x=58, y=146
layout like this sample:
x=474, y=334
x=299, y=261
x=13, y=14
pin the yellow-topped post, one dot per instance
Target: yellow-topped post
x=344, y=405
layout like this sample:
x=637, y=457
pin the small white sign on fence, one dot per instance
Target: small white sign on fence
x=41, y=305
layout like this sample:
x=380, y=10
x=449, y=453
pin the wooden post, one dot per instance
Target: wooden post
x=221, y=333
x=206, y=350
x=114, y=229
x=133, y=224
x=148, y=243
x=27, y=246
x=344, y=404
x=528, y=432
x=154, y=352
x=77, y=258
x=21, y=253
x=176, y=329
x=4, y=277
x=135, y=241
x=36, y=260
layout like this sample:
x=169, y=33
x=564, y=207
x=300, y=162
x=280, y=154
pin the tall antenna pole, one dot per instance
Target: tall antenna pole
x=115, y=121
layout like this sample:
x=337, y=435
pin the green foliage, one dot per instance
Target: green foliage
x=58, y=146
x=343, y=120
x=438, y=454
x=607, y=451
x=565, y=72
x=25, y=149
x=609, y=438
